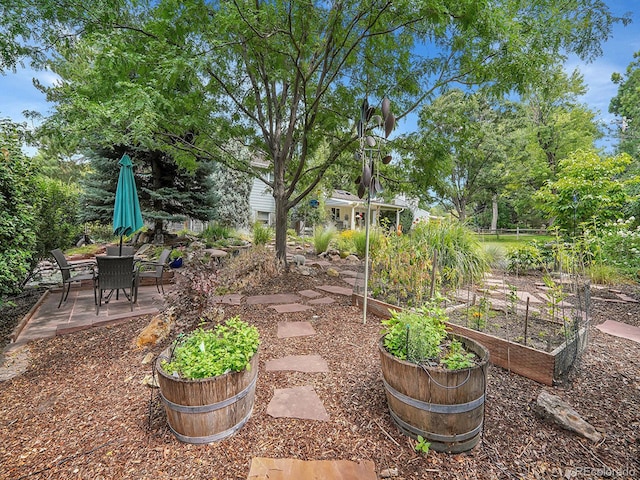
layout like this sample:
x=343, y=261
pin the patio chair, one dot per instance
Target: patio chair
x=114, y=251
x=115, y=274
x=68, y=276
x=155, y=269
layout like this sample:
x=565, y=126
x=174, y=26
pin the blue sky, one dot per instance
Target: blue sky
x=18, y=94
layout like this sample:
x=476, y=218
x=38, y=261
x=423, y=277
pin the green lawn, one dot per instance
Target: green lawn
x=503, y=241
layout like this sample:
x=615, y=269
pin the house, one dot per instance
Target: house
x=348, y=211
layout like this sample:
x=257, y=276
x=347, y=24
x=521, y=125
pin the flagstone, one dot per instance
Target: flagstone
x=290, y=308
x=619, y=329
x=336, y=289
x=295, y=329
x=275, y=298
x=298, y=363
x=309, y=293
x=294, y=469
x=321, y=301
x=297, y=402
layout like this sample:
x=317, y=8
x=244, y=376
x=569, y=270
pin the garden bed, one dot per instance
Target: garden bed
x=545, y=367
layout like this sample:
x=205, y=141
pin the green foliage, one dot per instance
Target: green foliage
x=615, y=247
x=344, y=243
x=216, y=235
x=422, y=446
x=524, y=258
x=376, y=239
x=456, y=358
x=18, y=196
x=460, y=256
x=415, y=335
x=57, y=215
x=229, y=347
x=136, y=75
x=587, y=189
x=322, y=237
x=262, y=234
x=233, y=188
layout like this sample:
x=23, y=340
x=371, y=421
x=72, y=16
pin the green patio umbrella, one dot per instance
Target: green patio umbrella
x=127, y=217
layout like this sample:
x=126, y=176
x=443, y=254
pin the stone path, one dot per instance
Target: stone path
x=300, y=402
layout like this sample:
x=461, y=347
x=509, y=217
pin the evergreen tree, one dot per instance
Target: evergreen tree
x=167, y=192
x=233, y=188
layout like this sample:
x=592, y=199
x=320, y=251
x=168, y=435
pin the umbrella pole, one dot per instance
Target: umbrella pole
x=120, y=253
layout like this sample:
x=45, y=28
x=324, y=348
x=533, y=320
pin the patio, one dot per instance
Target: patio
x=79, y=313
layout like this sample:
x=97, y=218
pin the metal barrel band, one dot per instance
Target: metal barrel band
x=215, y=437
x=211, y=407
x=436, y=437
x=434, y=407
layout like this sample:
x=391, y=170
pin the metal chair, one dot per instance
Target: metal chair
x=114, y=274
x=155, y=269
x=114, y=251
x=68, y=276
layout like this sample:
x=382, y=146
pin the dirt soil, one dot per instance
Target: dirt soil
x=82, y=411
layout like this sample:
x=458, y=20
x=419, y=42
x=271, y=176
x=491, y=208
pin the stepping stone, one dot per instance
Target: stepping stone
x=309, y=293
x=335, y=289
x=608, y=300
x=618, y=329
x=290, y=308
x=625, y=297
x=350, y=280
x=349, y=273
x=294, y=469
x=276, y=298
x=321, y=301
x=231, y=299
x=295, y=329
x=298, y=363
x=297, y=402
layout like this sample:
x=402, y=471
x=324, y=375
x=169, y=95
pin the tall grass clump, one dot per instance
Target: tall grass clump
x=459, y=255
x=322, y=237
x=360, y=241
x=262, y=234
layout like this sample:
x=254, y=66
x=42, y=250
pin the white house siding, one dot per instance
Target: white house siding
x=262, y=203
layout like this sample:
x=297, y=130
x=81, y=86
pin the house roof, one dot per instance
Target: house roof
x=345, y=198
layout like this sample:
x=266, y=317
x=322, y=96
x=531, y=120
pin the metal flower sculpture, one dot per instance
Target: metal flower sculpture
x=369, y=154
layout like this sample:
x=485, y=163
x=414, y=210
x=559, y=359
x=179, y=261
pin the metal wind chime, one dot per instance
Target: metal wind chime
x=370, y=153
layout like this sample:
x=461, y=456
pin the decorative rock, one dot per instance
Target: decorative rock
x=551, y=406
x=157, y=330
x=389, y=472
x=148, y=358
x=332, y=272
x=352, y=259
x=150, y=381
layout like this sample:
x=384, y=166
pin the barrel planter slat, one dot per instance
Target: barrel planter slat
x=210, y=409
x=445, y=407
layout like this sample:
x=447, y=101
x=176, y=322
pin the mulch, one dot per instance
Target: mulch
x=83, y=411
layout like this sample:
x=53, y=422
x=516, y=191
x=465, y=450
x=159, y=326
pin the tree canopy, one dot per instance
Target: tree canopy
x=285, y=78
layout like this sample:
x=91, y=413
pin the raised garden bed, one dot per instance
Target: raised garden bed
x=544, y=367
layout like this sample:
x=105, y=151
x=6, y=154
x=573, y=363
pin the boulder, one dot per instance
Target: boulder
x=554, y=408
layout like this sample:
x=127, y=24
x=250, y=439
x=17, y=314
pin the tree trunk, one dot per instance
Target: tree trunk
x=494, y=213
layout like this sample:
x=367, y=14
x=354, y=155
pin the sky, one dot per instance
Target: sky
x=18, y=94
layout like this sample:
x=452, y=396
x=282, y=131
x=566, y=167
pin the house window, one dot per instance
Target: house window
x=335, y=214
x=263, y=217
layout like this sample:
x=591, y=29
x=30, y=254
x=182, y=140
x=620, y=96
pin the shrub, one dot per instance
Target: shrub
x=344, y=243
x=262, y=234
x=214, y=233
x=523, y=258
x=322, y=237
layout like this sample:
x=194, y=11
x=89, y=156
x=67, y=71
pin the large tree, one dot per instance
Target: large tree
x=167, y=192
x=287, y=77
x=626, y=106
x=463, y=135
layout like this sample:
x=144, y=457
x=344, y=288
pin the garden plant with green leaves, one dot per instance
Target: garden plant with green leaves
x=228, y=347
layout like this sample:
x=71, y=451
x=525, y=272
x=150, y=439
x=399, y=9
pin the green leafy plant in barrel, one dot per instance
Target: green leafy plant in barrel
x=420, y=336
x=228, y=347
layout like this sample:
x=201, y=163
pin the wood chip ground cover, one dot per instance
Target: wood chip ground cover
x=81, y=411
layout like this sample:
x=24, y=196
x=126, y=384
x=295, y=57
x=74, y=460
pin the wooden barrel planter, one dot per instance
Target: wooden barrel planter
x=209, y=409
x=445, y=407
